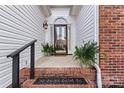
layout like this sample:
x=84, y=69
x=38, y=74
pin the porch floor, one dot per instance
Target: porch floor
x=57, y=61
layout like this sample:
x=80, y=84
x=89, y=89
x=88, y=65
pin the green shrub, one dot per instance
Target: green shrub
x=48, y=49
x=86, y=53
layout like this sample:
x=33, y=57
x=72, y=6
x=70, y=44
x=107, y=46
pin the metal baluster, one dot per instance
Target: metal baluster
x=15, y=71
x=32, y=61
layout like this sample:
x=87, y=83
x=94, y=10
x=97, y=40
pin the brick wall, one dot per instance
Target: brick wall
x=112, y=44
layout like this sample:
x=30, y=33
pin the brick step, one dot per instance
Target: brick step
x=88, y=74
x=30, y=84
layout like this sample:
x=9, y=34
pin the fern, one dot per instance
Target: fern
x=86, y=53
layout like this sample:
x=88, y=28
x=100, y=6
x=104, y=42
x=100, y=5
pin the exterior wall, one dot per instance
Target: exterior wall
x=86, y=24
x=18, y=26
x=112, y=44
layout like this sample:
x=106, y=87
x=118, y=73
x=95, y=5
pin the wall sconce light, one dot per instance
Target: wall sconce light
x=45, y=24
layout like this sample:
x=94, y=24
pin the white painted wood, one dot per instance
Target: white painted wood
x=18, y=26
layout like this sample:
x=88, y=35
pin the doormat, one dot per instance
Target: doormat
x=60, y=80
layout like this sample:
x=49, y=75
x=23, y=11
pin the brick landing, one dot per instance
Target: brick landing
x=88, y=74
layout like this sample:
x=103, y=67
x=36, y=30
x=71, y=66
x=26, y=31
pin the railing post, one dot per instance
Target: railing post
x=15, y=71
x=32, y=72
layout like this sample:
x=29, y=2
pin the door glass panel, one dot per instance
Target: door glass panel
x=60, y=39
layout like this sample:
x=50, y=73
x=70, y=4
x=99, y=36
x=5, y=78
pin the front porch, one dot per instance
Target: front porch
x=24, y=28
x=58, y=66
x=61, y=29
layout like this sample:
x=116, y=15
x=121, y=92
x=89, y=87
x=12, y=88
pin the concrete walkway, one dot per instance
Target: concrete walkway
x=57, y=61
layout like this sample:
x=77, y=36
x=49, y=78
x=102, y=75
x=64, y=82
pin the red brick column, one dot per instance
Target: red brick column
x=112, y=44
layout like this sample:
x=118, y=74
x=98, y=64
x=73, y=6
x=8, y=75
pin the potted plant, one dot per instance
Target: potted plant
x=51, y=50
x=86, y=54
x=48, y=49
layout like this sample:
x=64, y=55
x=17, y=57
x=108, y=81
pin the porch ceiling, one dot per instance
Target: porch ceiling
x=74, y=9
x=61, y=6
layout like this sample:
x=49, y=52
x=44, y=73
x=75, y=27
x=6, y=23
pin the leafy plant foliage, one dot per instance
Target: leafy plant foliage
x=48, y=49
x=86, y=53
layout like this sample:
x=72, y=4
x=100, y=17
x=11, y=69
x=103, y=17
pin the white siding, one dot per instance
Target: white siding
x=18, y=26
x=86, y=24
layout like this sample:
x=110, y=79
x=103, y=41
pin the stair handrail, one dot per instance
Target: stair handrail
x=15, y=62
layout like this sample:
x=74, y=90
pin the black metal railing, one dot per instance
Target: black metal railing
x=15, y=63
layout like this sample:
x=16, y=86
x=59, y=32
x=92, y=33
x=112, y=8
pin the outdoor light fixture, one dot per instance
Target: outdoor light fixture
x=45, y=25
